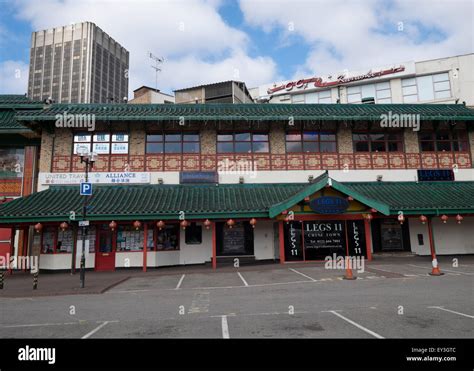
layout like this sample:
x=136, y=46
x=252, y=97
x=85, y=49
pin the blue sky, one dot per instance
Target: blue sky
x=259, y=42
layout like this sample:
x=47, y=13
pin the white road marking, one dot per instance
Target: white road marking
x=302, y=274
x=41, y=324
x=452, y=311
x=243, y=279
x=126, y=291
x=180, y=282
x=443, y=270
x=355, y=324
x=94, y=330
x=225, y=328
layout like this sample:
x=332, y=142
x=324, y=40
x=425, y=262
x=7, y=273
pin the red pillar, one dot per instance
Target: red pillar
x=281, y=237
x=145, y=231
x=214, y=247
x=368, y=239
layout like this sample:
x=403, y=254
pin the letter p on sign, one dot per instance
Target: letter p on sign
x=86, y=189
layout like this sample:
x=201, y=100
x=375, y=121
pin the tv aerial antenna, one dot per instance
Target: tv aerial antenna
x=156, y=67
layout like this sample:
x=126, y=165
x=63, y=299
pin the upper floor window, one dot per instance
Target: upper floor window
x=243, y=142
x=172, y=143
x=426, y=88
x=380, y=142
x=380, y=92
x=310, y=141
x=444, y=141
x=323, y=96
x=102, y=142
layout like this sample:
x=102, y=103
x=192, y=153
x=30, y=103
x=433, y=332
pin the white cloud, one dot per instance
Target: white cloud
x=188, y=34
x=13, y=77
x=347, y=34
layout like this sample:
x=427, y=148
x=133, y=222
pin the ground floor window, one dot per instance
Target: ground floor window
x=129, y=239
x=168, y=237
x=314, y=240
x=237, y=240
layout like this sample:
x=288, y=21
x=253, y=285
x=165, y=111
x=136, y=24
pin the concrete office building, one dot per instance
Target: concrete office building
x=78, y=63
x=443, y=80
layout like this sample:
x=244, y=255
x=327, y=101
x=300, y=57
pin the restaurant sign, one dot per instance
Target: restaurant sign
x=329, y=205
x=97, y=178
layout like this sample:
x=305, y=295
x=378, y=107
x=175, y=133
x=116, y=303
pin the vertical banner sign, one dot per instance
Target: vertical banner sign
x=293, y=242
x=324, y=238
x=356, y=236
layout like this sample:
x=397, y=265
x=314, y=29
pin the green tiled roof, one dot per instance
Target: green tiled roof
x=250, y=112
x=9, y=104
x=8, y=122
x=154, y=202
x=17, y=100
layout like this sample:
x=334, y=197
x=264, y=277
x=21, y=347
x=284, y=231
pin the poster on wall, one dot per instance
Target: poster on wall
x=234, y=240
x=324, y=238
x=356, y=236
x=293, y=242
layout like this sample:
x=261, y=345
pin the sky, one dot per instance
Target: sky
x=255, y=41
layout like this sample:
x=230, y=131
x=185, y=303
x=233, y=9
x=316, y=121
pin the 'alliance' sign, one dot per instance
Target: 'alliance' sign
x=96, y=178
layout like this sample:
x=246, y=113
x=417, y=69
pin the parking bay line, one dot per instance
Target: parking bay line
x=302, y=274
x=95, y=330
x=355, y=324
x=180, y=282
x=453, y=311
x=225, y=328
x=243, y=279
x=445, y=270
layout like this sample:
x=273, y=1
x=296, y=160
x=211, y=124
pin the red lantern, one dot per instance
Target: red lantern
x=459, y=218
x=63, y=226
x=369, y=217
x=401, y=218
x=184, y=224
x=253, y=222
x=207, y=223
x=284, y=212
x=231, y=223
x=38, y=227
x=423, y=219
x=306, y=199
x=137, y=225
x=444, y=218
x=112, y=225
x=160, y=225
x=373, y=210
x=350, y=198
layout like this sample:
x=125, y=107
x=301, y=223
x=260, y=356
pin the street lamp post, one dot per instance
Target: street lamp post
x=88, y=158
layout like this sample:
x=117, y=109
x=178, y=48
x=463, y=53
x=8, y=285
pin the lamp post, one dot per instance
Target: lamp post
x=87, y=158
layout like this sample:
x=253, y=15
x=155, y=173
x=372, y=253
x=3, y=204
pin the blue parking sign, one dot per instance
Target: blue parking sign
x=86, y=189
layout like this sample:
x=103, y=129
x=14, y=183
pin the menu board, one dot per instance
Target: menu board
x=293, y=242
x=323, y=238
x=234, y=239
x=356, y=235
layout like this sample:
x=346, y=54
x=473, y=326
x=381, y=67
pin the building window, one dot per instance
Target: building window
x=47, y=241
x=381, y=142
x=426, y=88
x=193, y=234
x=168, y=238
x=310, y=141
x=65, y=241
x=102, y=143
x=243, y=142
x=444, y=141
x=323, y=96
x=380, y=92
x=172, y=143
x=129, y=239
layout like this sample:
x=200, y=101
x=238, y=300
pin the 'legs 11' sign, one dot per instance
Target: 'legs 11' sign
x=329, y=205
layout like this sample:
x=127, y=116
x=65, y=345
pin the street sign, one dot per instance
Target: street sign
x=86, y=189
x=83, y=223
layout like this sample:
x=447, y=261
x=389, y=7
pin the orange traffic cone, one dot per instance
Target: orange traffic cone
x=348, y=275
x=435, y=270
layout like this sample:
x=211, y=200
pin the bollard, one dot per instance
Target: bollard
x=1, y=280
x=35, y=280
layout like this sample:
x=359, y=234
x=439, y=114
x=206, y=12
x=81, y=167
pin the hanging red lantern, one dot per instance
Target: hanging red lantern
x=284, y=212
x=350, y=198
x=459, y=219
x=401, y=218
x=306, y=199
x=423, y=219
x=207, y=223
x=184, y=224
x=373, y=210
x=112, y=225
x=137, y=225
x=63, y=226
x=230, y=223
x=444, y=218
x=38, y=227
x=253, y=222
x=160, y=225
x=287, y=220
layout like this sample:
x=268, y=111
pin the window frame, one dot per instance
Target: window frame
x=181, y=142
x=434, y=141
x=302, y=141
x=252, y=142
x=91, y=142
x=386, y=141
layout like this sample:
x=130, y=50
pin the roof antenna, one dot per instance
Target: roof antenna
x=155, y=67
